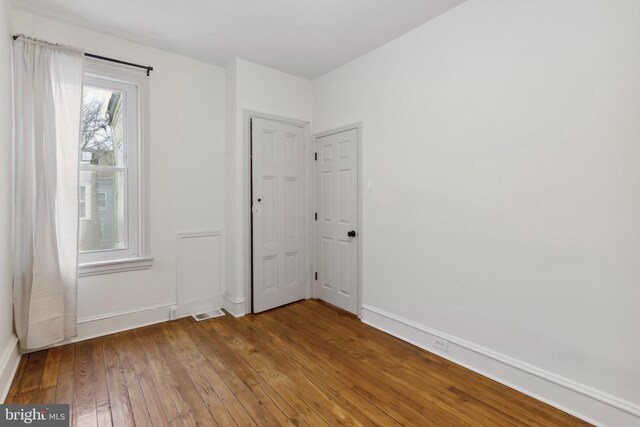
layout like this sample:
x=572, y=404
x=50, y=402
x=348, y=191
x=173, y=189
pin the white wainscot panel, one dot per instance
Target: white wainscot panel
x=200, y=274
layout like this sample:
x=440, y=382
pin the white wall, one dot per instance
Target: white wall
x=503, y=139
x=187, y=152
x=8, y=352
x=260, y=89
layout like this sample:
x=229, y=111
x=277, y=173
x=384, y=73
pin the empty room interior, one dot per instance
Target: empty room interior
x=320, y=212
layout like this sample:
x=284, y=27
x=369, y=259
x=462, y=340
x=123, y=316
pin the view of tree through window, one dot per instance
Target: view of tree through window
x=102, y=171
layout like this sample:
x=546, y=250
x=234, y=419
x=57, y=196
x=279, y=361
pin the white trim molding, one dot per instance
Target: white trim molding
x=9, y=361
x=114, y=266
x=591, y=405
x=235, y=306
x=111, y=323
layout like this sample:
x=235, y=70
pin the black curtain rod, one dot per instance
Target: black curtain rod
x=117, y=61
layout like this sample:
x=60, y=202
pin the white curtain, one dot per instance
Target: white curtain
x=48, y=102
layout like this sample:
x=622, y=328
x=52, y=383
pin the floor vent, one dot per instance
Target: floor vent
x=208, y=315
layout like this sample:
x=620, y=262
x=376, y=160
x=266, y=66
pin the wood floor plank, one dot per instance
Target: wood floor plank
x=246, y=396
x=33, y=372
x=121, y=412
x=15, y=384
x=51, y=366
x=141, y=415
x=176, y=381
x=161, y=413
x=84, y=392
x=184, y=349
x=26, y=398
x=188, y=388
x=270, y=398
x=316, y=387
x=46, y=395
x=103, y=405
x=466, y=409
x=207, y=373
x=305, y=364
x=410, y=380
x=315, y=367
x=156, y=387
x=497, y=395
x=282, y=384
x=64, y=389
x=367, y=383
x=155, y=374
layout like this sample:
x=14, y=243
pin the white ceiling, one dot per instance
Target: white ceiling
x=306, y=38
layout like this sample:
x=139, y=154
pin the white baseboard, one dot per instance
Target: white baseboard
x=235, y=306
x=111, y=323
x=584, y=402
x=9, y=361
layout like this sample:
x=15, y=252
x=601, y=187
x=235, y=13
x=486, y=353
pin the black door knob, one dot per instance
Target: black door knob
x=351, y=233
x=259, y=200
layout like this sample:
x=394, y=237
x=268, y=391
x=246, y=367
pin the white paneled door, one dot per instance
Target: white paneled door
x=279, y=251
x=337, y=201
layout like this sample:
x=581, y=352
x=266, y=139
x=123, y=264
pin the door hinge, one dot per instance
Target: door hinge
x=316, y=216
x=315, y=157
x=316, y=275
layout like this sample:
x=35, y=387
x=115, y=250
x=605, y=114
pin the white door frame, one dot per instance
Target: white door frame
x=360, y=189
x=247, y=202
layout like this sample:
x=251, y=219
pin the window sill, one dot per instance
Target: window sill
x=114, y=266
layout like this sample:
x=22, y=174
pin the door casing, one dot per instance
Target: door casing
x=361, y=236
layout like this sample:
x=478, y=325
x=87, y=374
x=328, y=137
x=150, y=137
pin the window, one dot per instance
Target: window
x=102, y=200
x=111, y=179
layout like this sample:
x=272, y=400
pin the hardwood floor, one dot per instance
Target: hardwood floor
x=305, y=364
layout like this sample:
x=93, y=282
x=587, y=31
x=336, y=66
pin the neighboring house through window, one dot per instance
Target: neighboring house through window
x=112, y=174
x=84, y=209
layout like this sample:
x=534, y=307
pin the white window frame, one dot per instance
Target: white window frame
x=134, y=84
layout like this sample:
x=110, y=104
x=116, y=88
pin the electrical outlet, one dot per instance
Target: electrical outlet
x=173, y=312
x=441, y=344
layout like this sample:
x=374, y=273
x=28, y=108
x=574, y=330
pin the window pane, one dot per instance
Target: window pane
x=102, y=142
x=102, y=211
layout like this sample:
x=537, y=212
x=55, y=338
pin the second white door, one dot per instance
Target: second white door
x=279, y=254
x=337, y=201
